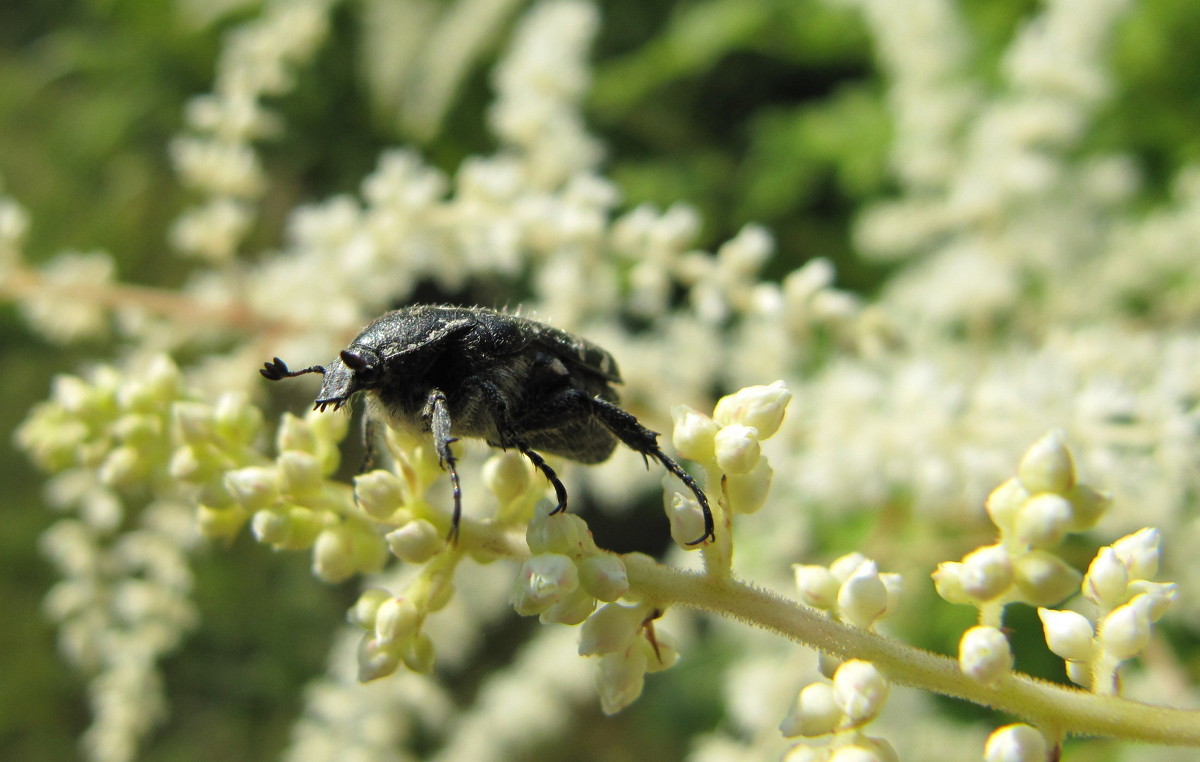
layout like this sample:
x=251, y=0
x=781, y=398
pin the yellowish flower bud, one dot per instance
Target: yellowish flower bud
x=759, y=407
x=1106, y=582
x=603, y=576
x=415, y=542
x=1016, y=743
x=984, y=654
x=815, y=712
x=1044, y=579
x=747, y=493
x=737, y=449
x=694, y=434
x=860, y=690
x=1047, y=466
x=1068, y=634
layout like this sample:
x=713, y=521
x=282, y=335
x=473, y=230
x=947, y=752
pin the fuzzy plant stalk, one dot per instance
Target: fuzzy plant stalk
x=973, y=408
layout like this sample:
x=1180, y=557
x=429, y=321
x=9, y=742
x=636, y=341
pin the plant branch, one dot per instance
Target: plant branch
x=1041, y=703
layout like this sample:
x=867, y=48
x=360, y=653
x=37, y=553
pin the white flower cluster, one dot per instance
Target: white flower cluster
x=729, y=447
x=123, y=600
x=840, y=708
x=540, y=85
x=1119, y=583
x=851, y=589
x=218, y=159
x=1033, y=513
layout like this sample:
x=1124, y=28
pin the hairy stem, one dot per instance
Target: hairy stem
x=1041, y=703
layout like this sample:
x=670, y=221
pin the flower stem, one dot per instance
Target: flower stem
x=1041, y=703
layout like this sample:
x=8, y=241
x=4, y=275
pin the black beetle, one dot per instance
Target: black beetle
x=476, y=372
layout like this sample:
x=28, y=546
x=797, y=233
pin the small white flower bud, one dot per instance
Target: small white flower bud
x=563, y=533
x=221, y=523
x=948, y=582
x=620, y=679
x=984, y=654
x=572, y=608
x=379, y=492
x=855, y=753
x=612, y=628
x=603, y=576
x=362, y=613
x=1016, y=743
x=333, y=555
x=187, y=465
x=814, y=713
x=327, y=428
x=193, y=419
x=254, y=487
x=396, y=619
x=760, y=407
x=235, y=419
x=1044, y=579
x=1047, y=466
x=1088, y=506
x=544, y=580
x=1139, y=553
x=1106, y=582
x=894, y=584
x=694, y=434
x=859, y=690
x=1068, y=634
x=374, y=660
x=1156, y=597
x=748, y=492
x=863, y=598
x=507, y=475
x=1004, y=504
x=123, y=466
x=878, y=749
x=419, y=653
x=737, y=449
x=986, y=572
x=818, y=587
x=844, y=567
x=416, y=542
x=303, y=527
x=1125, y=631
x=1043, y=520
x=687, y=521
x=269, y=527
x=301, y=473
x=804, y=753
x=295, y=434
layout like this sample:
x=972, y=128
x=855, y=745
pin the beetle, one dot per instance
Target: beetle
x=481, y=373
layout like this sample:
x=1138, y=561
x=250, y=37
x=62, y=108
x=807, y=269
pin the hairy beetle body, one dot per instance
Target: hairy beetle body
x=475, y=372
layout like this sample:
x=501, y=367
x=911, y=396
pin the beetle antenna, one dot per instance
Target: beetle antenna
x=278, y=370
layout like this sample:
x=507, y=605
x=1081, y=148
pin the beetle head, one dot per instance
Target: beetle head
x=355, y=370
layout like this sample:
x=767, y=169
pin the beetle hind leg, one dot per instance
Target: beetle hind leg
x=626, y=427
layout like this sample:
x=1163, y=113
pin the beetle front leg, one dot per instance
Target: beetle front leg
x=370, y=435
x=438, y=414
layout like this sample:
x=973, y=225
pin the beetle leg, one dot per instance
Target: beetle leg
x=370, y=434
x=438, y=415
x=510, y=438
x=626, y=427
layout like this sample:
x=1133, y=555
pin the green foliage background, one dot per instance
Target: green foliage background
x=749, y=110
